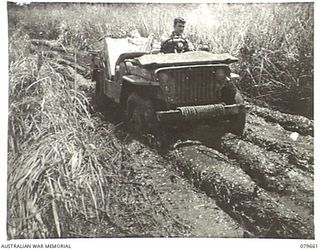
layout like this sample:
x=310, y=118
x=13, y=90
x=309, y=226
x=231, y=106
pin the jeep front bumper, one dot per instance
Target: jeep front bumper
x=201, y=112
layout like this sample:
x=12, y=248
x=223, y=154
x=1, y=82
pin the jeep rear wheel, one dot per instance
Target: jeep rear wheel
x=140, y=115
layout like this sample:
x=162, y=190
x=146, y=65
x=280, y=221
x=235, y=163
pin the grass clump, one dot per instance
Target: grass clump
x=68, y=175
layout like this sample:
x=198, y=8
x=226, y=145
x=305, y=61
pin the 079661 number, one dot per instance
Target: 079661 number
x=308, y=245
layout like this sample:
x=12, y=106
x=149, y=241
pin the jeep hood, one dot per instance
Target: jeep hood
x=187, y=58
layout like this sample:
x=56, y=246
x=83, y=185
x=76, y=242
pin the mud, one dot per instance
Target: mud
x=269, y=170
x=239, y=195
x=274, y=173
x=294, y=123
x=221, y=185
x=201, y=213
x=273, y=137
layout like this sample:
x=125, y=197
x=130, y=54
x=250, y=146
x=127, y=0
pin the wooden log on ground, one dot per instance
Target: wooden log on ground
x=81, y=70
x=275, y=138
x=53, y=45
x=272, y=171
x=238, y=195
x=294, y=123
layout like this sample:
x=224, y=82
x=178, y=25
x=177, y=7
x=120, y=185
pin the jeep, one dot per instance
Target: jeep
x=152, y=87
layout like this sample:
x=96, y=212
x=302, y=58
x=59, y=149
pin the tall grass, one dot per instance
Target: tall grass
x=274, y=42
x=69, y=176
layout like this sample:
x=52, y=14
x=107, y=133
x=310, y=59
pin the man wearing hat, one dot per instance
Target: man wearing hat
x=176, y=43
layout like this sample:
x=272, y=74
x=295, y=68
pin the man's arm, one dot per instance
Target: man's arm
x=190, y=46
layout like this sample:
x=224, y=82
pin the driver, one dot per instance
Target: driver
x=176, y=43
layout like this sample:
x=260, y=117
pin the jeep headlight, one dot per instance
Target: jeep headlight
x=164, y=80
x=163, y=77
x=220, y=75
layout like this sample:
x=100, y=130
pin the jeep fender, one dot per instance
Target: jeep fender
x=151, y=89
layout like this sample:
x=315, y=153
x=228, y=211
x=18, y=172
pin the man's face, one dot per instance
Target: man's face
x=179, y=28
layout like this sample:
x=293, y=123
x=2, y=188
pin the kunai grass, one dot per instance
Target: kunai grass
x=274, y=41
x=68, y=175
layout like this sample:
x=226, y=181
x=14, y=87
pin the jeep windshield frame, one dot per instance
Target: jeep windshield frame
x=189, y=66
x=187, y=58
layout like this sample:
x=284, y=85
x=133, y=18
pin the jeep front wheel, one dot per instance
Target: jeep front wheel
x=98, y=78
x=140, y=115
x=231, y=95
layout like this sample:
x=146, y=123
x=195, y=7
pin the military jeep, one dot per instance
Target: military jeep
x=153, y=88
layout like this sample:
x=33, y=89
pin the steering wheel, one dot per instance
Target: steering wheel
x=174, y=45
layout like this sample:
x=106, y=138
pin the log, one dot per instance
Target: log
x=80, y=69
x=54, y=45
x=294, y=123
x=274, y=138
x=272, y=171
x=238, y=195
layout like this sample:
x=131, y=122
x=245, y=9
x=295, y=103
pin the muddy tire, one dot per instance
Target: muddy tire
x=140, y=115
x=98, y=78
x=237, y=123
x=231, y=95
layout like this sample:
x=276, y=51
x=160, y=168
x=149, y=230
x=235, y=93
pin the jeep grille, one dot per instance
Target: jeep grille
x=191, y=86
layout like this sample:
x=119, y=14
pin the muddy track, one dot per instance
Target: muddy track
x=270, y=170
x=259, y=184
x=289, y=122
x=239, y=195
x=263, y=179
x=272, y=137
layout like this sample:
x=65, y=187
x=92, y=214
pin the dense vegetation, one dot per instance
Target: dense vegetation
x=274, y=42
x=68, y=174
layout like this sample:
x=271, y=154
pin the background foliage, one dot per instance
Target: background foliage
x=69, y=176
x=274, y=42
